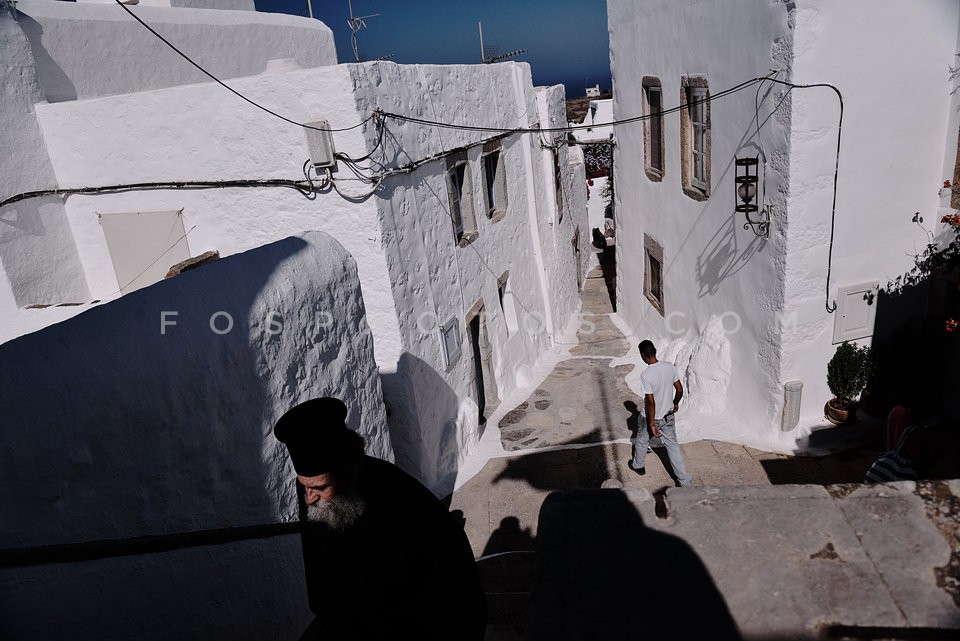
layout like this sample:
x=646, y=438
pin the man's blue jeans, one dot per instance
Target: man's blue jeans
x=668, y=431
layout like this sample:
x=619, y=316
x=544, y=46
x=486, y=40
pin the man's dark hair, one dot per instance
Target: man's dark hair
x=647, y=350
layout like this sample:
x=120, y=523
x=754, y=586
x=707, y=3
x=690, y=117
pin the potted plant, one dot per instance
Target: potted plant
x=846, y=376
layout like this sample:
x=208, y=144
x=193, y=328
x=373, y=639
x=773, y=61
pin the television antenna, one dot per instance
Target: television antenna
x=356, y=23
x=494, y=50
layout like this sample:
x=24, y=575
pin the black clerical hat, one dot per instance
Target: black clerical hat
x=316, y=435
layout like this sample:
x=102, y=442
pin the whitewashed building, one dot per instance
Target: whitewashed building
x=595, y=126
x=746, y=306
x=127, y=159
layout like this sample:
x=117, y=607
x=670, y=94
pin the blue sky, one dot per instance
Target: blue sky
x=565, y=40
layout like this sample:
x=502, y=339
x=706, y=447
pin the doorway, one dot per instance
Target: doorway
x=576, y=258
x=485, y=387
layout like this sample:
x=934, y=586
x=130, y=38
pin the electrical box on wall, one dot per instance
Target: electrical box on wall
x=320, y=145
x=856, y=312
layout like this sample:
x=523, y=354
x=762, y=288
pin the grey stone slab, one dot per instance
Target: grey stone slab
x=909, y=550
x=699, y=449
x=580, y=401
x=814, y=569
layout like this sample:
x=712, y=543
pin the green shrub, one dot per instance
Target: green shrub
x=847, y=372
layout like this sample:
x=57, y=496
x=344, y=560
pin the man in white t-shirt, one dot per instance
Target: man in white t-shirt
x=662, y=391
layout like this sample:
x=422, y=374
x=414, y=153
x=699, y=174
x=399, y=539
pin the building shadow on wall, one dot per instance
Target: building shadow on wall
x=915, y=354
x=56, y=84
x=426, y=430
x=608, y=268
x=916, y=365
x=602, y=573
x=137, y=431
x=916, y=348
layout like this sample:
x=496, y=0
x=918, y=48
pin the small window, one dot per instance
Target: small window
x=450, y=339
x=653, y=128
x=653, y=272
x=695, y=136
x=460, y=196
x=495, y=181
x=698, y=130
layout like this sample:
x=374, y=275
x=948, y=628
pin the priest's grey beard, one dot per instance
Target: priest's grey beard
x=337, y=514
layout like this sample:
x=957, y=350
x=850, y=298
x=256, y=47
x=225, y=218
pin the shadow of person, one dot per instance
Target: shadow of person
x=506, y=570
x=601, y=574
x=509, y=537
x=633, y=421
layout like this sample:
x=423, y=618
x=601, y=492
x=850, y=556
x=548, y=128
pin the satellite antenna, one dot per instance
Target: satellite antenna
x=494, y=51
x=357, y=23
x=509, y=54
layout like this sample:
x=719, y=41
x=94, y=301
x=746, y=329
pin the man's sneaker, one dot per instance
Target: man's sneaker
x=639, y=470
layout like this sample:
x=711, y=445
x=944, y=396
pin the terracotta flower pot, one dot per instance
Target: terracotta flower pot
x=838, y=414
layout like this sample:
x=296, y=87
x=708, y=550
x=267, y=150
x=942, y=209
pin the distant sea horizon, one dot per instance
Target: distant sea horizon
x=576, y=87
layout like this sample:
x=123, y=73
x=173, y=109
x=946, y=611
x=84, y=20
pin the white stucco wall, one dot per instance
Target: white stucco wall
x=85, y=50
x=722, y=284
x=32, y=235
x=600, y=112
x=201, y=132
x=58, y=51
x=896, y=125
x=579, y=212
x=436, y=280
x=176, y=440
x=556, y=233
x=236, y=5
x=773, y=292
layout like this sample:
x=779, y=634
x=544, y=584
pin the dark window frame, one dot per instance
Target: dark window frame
x=653, y=273
x=695, y=126
x=654, y=158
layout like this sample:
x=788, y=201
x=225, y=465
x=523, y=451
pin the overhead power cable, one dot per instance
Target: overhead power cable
x=305, y=187
x=567, y=128
x=224, y=85
x=836, y=172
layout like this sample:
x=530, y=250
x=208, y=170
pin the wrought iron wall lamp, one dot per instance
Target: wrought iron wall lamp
x=747, y=193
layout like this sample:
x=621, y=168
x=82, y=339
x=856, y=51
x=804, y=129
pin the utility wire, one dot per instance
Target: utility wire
x=831, y=308
x=625, y=121
x=308, y=187
x=302, y=186
x=225, y=86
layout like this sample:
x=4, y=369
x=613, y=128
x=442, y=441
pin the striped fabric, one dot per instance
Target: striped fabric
x=893, y=466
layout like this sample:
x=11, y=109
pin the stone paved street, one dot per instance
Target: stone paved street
x=572, y=432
